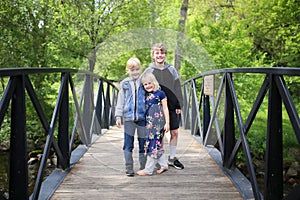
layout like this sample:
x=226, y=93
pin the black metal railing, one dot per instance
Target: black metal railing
x=93, y=112
x=212, y=97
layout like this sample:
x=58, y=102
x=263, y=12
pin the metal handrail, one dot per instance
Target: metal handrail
x=230, y=141
x=97, y=110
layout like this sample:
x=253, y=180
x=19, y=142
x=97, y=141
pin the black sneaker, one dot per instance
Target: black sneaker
x=130, y=173
x=175, y=163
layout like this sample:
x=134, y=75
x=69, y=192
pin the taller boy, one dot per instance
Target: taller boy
x=169, y=81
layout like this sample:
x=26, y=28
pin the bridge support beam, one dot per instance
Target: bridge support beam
x=99, y=106
x=274, y=158
x=229, y=131
x=63, y=128
x=107, y=117
x=18, y=182
x=206, y=115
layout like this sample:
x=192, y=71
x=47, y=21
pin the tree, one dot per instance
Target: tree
x=182, y=22
x=24, y=36
x=220, y=28
x=274, y=26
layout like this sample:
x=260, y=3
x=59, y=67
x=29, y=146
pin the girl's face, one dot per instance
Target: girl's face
x=149, y=86
x=159, y=56
x=135, y=72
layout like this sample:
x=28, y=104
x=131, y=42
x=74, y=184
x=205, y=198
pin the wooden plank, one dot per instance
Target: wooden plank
x=100, y=174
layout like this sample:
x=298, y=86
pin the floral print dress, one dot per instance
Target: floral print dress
x=155, y=122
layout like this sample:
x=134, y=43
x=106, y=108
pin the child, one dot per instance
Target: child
x=168, y=79
x=131, y=106
x=157, y=124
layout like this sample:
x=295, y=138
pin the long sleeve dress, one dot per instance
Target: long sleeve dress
x=155, y=122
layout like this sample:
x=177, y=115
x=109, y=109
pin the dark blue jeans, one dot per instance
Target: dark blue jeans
x=130, y=127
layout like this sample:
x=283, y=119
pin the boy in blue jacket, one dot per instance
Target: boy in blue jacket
x=131, y=106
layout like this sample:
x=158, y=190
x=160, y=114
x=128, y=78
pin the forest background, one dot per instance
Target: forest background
x=84, y=34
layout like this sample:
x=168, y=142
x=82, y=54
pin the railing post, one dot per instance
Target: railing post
x=274, y=158
x=206, y=114
x=185, y=110
x=18, y=183
x=99, y=107
x=229, y=131
x=194, y=110
x=107, y=107
x=113, y=109
x=63, y=126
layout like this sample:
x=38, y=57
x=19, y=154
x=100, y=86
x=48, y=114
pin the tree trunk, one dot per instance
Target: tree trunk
x=92, y=59
x=180, y=36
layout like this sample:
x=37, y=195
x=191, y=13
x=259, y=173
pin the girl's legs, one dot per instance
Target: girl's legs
x=150, y=164
x=163, y=162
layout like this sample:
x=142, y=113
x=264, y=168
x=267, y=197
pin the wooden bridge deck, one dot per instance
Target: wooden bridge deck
x=100, y=174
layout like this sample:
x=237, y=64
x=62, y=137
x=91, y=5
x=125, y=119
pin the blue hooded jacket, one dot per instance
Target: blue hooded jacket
x=131, y=100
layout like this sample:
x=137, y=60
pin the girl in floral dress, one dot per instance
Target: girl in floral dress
x=157, y=124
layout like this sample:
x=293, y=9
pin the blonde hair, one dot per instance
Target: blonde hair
x=160, y=47
x=149, y=77
x=133, y=63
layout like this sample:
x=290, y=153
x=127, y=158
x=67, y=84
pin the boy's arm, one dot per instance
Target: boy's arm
x=119, y=108
x=176, y=85
x=178, y=94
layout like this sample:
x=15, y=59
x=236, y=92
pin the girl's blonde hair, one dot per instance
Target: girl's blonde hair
x=149, y=77
x=133, y=63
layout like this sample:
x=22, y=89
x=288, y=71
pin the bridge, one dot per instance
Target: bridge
x=212, y=123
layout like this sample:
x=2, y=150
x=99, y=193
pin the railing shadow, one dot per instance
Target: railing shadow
x=93, y=112
x=208, y=93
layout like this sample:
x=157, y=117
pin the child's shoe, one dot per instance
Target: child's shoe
x=130, y=172
x=175, y=163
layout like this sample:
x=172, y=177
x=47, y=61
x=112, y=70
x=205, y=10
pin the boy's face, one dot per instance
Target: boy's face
x=159, y=56
x=135, y=72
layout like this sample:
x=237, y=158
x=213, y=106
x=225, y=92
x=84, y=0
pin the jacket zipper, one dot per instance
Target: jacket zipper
x=135, y=117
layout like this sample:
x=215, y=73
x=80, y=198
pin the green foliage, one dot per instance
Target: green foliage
x=117, y=69
x=220, y=28
x=186, y=70
x=46, y=88
x=250, y=34
x=27, y=27
x=35, y=133
x=247, y=87
x=71, y=33
x=274, y=26
x=5, y=130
